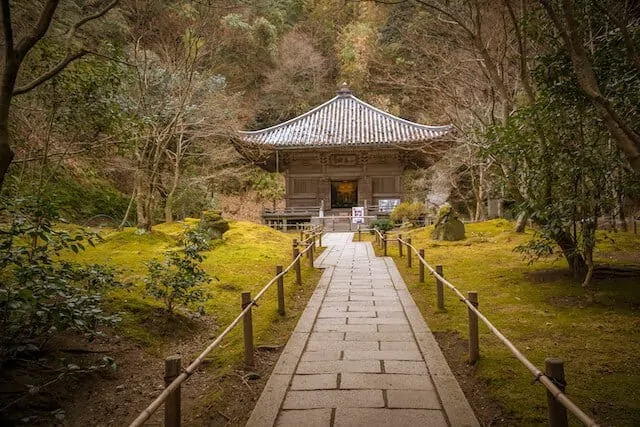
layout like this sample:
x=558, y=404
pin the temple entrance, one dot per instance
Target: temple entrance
x=344, y=194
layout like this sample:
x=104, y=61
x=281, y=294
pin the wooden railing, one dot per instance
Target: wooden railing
x=170, y=396
x=292, y=210
x=552, y=379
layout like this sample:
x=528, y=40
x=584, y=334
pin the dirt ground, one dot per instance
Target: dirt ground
x=487, y=410
x=114, y=398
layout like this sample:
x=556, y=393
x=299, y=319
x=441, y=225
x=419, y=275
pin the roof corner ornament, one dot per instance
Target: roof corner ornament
x=344, y=90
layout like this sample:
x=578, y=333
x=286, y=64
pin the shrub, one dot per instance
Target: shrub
x=179, y=278
x=408, y=212
x=383, y=224
x=40, y=294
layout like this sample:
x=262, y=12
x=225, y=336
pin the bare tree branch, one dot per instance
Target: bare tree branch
x=49, y=74
x=71, y=56
x=41, y=28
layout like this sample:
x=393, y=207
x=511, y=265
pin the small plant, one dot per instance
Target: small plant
x=179, y=278
x=39, y=294
x=383, y=224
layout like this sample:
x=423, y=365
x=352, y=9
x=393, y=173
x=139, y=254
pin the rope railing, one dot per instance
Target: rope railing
x=549, y=383
x=188, y=371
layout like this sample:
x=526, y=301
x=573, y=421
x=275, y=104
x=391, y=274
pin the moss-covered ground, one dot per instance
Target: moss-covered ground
x=244, y=260
x=544, y=312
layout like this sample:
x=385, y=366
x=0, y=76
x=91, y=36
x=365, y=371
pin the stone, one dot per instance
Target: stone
x=385, y=381
x=333, y=399
x=212, y=223
x=448, y=226
x=314, y=382
x=417, y=399
x=405, y=367
x=307, y=418
x=382, y=355
x=355, y=417
x=334, y=366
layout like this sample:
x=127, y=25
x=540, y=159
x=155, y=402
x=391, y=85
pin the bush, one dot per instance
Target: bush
x=40, y=294
x=383, y=224
x=408, y=212
x=179, y=278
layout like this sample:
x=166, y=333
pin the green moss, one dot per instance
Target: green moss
x=544, y=312
x=244, y=260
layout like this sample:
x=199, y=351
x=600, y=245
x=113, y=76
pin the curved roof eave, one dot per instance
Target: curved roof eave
x=344, y=121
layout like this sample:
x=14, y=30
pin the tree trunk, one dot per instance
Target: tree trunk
x=6, y=155
x=627, y=139
x=521, y=222
x=143, y=198
x=126, y=214
x=9, y=74
x=571, y=253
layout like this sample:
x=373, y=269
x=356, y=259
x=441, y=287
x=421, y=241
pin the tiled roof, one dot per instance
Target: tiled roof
x=344, y=121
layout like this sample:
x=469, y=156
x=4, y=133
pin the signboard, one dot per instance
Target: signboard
x=357, y=215
x=387, y=205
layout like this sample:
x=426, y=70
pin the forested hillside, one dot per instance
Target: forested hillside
x=136, y=100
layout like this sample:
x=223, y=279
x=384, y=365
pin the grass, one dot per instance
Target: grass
x=244, y=261
x=544, y=312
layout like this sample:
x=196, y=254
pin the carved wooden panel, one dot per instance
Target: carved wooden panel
x=344, y=159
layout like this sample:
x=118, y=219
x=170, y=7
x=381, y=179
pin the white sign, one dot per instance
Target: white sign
x=387, y=205
x=357, y=214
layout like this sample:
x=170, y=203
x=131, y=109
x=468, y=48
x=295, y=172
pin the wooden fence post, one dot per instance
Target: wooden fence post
x=280, y=290
x=172, y=411
x=474, y=340
x=384, y=243
x=248, y=330
x=302, y=235
x=320, y=238
x=439, y=288
x=296, y=252
x=400, y=245
x=554, y=369
x=408, y=252
x=421, y=266
x=310, y=255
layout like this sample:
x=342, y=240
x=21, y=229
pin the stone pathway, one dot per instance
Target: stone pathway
x=361, y=354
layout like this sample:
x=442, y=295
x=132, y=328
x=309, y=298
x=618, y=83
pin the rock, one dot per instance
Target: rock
x=252, y=376
x=448, y=226
x=120, y=388
x=269, y=347
x=212, y=223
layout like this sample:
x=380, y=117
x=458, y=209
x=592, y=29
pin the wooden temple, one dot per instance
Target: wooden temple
x=342, y=154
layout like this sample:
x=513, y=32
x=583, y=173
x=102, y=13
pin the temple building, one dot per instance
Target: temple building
x=342, y=154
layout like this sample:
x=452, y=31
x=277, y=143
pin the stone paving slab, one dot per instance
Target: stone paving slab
x=361, y=354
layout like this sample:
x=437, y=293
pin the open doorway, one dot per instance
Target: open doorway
x=344, y=194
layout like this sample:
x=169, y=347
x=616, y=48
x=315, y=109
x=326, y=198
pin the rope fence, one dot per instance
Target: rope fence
x=553, y=377
x=170, y=396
